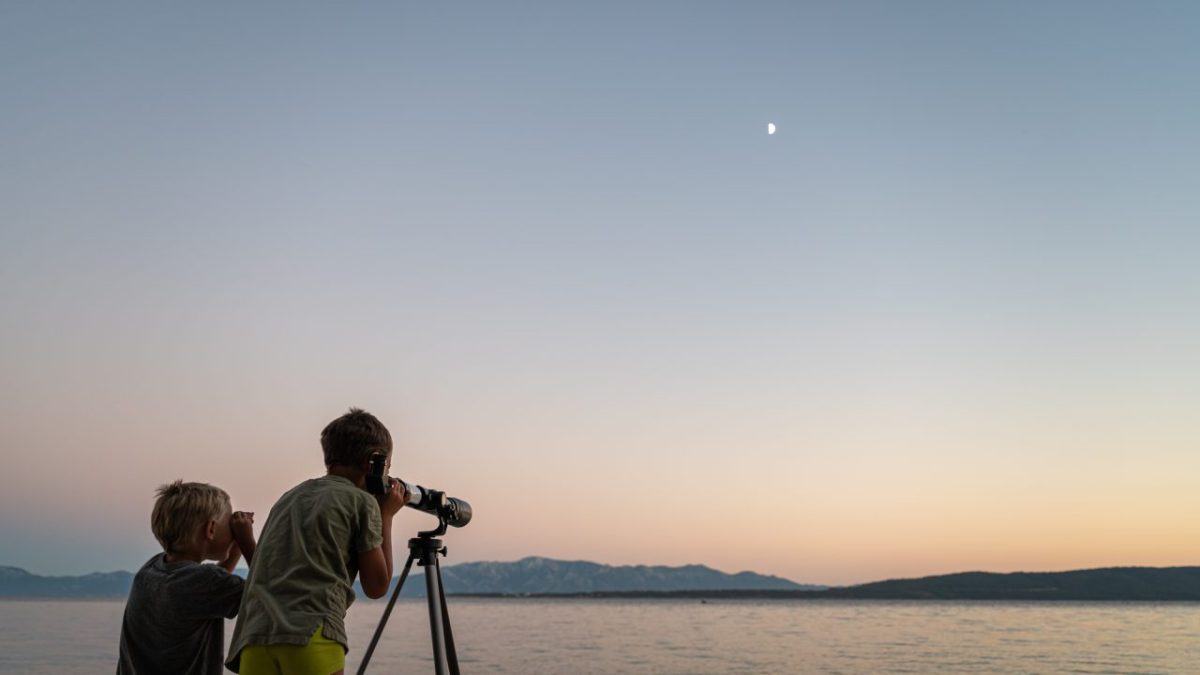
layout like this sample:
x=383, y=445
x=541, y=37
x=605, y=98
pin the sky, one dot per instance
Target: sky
x=944, y=319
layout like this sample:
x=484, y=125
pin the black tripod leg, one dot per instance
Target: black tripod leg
x=451, y=653
x=433, y=593
x=362, y=667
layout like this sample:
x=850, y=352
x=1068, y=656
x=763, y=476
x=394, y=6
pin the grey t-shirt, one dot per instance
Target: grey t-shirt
x=174, y=619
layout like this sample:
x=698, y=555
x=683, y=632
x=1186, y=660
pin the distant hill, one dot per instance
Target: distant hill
x=1112, y=583
x=545, y=576
x=1125, y=584
x=521, y=577
x=17, y=583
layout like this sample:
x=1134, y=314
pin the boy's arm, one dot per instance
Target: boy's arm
x=232, y=558
x=208, y=594
x=242, y=525
x=375, y=566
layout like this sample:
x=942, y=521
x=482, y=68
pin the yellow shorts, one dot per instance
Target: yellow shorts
x=321, y=656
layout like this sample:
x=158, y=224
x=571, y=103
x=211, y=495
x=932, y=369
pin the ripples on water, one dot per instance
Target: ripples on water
x=542, y=637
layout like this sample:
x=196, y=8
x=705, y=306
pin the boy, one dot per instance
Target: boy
x=318, y=536
x=174, y=618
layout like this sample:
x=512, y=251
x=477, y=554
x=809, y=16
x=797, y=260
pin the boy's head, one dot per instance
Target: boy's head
x=351, y=439
x=183, y=513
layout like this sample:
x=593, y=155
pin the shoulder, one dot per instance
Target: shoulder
x=207, y=583
x=156, y=567
x=361, y=498
x=206, y=575
x=344, y=489
x=352, y=502
x=300, y=489
x=150, y=575
x=296, y=496
x=215, y=572
x=157, y=562
x=324, y=499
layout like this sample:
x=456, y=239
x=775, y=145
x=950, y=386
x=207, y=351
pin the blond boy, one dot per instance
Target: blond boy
x=174, y=618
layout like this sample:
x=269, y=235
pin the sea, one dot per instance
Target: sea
x=550, y=636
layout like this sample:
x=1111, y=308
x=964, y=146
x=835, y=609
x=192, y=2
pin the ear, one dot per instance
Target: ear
x=211, y=531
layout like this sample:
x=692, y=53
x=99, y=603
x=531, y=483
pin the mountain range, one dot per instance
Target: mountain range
x=522, y=577
x=547, y=577
x=1123, y=584
x=1111, y=583
x=17, y=583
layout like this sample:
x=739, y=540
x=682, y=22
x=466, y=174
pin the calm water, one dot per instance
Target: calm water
x=676, y=636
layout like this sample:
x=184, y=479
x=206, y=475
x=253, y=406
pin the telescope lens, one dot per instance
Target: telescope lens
x=455, y=512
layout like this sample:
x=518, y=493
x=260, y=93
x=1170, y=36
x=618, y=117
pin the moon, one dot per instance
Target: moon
x=770, y=128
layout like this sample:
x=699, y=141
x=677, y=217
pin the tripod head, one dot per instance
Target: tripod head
x=437, y=532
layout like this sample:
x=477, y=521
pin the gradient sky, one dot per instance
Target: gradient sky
x=945, y=319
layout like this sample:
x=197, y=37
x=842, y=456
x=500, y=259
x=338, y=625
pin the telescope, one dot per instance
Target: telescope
x=424, y=550
x=450, y=510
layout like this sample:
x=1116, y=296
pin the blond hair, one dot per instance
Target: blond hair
x=181, y=508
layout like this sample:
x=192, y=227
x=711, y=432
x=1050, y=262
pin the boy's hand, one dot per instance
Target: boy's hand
x=395, y=499
x=242, y=526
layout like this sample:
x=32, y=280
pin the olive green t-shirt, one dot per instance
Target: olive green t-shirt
x=306, y=560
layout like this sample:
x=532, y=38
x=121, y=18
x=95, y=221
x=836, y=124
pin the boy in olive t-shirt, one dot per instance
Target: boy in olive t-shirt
x=318, y=536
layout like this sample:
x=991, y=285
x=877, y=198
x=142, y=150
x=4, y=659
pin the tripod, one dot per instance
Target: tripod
x=424, y=549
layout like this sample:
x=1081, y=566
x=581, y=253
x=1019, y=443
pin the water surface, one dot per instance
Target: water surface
x=537, y=636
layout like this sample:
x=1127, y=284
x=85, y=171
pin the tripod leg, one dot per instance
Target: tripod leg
x=451, y=652
x=362, y=667
x=433, y=593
